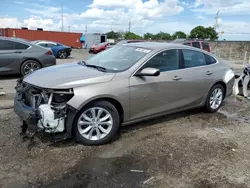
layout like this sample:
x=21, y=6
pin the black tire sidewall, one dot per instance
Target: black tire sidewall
x=61, y=51
x=116, y=124
x=24, y=63
x=207, y=104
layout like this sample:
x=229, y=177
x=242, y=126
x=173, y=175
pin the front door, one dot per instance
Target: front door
x=10, y=54
x=150, y=95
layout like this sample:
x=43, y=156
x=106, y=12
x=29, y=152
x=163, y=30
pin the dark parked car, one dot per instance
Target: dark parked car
x=194, y=43
x=59, y=50
x=21, y=57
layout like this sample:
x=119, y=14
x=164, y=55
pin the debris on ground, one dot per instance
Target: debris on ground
x=136, y=171
x=2, y=93
x=221, y=130
x=148, y=180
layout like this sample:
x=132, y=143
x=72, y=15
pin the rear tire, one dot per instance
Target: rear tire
x=29, y=66
x=62, y=54
x=96, y=124
x=215, y=98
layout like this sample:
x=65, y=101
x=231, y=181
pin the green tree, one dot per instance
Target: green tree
x=179, y=35
x=162, y=36
x=130, y=35
x=198, y=32
x=204, y=33
x=148, y=36
x=211, y=33
x=113, y=35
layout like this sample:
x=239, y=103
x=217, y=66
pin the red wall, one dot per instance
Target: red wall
x=69, y=39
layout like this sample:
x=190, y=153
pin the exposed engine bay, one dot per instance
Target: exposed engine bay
x=48, y=107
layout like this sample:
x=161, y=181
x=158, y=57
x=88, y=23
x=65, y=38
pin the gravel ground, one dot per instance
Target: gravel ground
x=181, y=151
x=185, y=150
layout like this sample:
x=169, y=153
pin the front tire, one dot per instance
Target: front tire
x=96, y=123
x=215, y=98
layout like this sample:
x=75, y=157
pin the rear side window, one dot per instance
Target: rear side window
x=20, y=46
x=205, y=46
x=187, y=44
x=210, y=60
x=164, y=61
x=193, y=58
x=196, y=44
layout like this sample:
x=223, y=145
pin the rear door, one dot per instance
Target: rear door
x=195, y=77
x=205, y=46
x=11, y=55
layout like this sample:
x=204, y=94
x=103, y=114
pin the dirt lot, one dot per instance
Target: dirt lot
x=185, y=150
x=180, y=151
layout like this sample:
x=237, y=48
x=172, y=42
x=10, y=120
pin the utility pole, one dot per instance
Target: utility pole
x=69, y=27
x=217, y=20
x=129, y=26
x=86, y=29
x=62, y=17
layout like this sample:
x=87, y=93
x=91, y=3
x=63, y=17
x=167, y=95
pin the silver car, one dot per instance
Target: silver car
x=18, y=56
x=123, y=85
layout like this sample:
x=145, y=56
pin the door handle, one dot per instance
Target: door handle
x=209, y=73
x=18, y=52
x=176, y=78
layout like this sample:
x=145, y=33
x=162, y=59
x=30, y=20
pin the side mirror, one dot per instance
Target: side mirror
x=148, y=72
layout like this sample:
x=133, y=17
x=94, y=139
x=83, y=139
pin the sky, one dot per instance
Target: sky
x=145, y=15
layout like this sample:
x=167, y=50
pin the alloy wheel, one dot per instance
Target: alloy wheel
x=95, y=123
x=216, y=98
x=30, y=67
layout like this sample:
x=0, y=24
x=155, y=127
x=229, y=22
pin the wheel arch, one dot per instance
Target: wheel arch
x=111, y=100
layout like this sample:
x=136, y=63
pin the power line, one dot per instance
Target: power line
x=86, y=29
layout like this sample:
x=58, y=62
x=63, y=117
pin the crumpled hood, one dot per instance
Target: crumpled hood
x=68, y=75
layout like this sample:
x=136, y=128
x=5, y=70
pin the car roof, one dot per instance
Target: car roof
x=164, y=45
x=156, y=45
x=17, y=40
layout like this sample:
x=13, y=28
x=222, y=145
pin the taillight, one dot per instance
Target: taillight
x=49, y=53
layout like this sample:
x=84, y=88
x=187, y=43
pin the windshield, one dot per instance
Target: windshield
x=118, y=58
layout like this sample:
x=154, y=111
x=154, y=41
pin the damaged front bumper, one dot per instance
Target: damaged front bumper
x=48, y=114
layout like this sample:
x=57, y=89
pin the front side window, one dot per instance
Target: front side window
x=196, y=44
x=6, y=45
x=193, y=58
x=42, y=44
x=51, y=45
x=164, y=61
x=20, y=46
x=187, y=44
x=118, y=58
